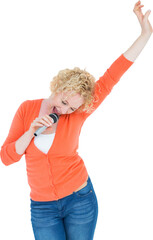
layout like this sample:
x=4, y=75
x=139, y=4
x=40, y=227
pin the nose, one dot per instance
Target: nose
x=65, y=109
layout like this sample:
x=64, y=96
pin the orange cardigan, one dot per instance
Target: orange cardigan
x=61, y=171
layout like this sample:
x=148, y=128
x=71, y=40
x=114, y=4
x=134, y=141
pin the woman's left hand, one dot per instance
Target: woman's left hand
x=146, y=27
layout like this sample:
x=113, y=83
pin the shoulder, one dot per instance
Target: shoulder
x=29, y=105
x=30, y=102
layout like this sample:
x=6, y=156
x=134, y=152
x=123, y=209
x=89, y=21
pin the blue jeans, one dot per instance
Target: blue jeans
x=73, y=217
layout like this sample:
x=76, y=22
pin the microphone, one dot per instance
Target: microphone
x=54, y=116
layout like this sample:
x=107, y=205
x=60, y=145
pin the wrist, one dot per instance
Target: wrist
x=30, y=133
x=146, y=34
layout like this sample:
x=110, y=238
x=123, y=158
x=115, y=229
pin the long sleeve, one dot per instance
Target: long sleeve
x=8, y=152
x=105, y=83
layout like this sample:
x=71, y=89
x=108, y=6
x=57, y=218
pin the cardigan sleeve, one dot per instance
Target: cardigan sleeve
x=106, y=82
x=8, y=152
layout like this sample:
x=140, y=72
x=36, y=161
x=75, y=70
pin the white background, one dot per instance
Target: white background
x=39, y=38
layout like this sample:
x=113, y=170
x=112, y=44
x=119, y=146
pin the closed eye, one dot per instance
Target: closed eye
x=65, y=104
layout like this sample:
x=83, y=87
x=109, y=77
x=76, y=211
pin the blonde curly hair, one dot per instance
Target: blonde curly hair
x=73, y=81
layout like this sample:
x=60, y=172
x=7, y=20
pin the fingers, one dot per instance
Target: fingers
x=138, y=2
x=47, y=120
x=140, y=6
x=44, y=120
x=137, y=8
x=137, y=5
x=36, y=124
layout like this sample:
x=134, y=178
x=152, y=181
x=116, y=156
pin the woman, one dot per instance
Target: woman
x=63, y=201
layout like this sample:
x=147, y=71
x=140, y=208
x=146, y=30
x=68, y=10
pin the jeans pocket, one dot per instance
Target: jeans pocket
x=87, y=190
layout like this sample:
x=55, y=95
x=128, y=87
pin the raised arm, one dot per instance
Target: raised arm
x=146, y=31
x=113, y=74
x=106, y=82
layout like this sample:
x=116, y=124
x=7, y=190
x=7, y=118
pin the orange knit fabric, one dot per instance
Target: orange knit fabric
x=61, y=171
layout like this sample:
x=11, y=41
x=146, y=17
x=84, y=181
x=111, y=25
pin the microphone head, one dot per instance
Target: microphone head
x=54, y=116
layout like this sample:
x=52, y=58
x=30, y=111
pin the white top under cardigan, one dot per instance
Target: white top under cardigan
x=44, y=141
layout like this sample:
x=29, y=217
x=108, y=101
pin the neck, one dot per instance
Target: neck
x=48, y=104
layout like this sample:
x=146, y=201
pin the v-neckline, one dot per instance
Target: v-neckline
x=55, y=136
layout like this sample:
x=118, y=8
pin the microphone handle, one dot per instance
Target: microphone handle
x=39, y=130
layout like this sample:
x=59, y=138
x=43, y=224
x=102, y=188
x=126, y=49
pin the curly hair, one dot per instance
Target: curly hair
x=73, y=81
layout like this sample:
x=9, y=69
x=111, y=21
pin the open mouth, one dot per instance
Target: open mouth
x=55, y=111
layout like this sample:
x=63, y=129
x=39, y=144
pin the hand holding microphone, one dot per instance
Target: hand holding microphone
x=43, y=123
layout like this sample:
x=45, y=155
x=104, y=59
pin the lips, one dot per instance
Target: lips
x=55, y=111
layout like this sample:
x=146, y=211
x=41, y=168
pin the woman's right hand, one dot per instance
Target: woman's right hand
x=45, y=120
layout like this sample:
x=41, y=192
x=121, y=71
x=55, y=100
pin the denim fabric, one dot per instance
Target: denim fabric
x=73, y=217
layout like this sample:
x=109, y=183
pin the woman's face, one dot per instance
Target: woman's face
x=63, y=103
